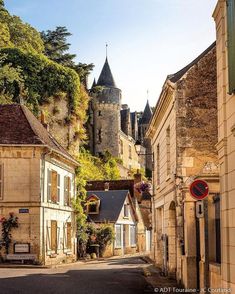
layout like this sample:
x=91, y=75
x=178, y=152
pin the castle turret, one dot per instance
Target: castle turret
x=106, y=105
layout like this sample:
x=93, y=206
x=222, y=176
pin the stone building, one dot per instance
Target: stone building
x=113, y=127
x=224, y=16
x=37, y=184
x=183, y=133
x=116, y=208
x=141, y=203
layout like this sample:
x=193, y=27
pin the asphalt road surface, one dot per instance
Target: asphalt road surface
x=113, y=276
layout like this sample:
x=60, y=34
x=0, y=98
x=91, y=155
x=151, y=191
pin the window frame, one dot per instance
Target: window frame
x=67, y=190
x=1, y=180
x=133, y=240
x=118, y=244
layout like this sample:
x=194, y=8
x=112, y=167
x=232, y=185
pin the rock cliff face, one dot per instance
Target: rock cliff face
x=67, y=128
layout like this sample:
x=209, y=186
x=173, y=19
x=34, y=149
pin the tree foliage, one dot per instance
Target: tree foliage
x=15, y=33
x=57, y=47
x=11, y=81
x=44, y=78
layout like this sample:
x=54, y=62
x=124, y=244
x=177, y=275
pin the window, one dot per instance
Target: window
x=126, y=210
x=130, y=154
x=99, y=113
x=54, y=236
x=168, y=151
x=1, y=181
x=118, y=236
x=93, y=205
x=99, y=133
x=67, y=191
x=68, y=236
x=158, y=164
x=231, y=44
x=53, y=186
x=121, y=146
x=133, y=235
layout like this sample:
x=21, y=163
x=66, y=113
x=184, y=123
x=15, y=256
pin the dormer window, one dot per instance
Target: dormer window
x=93, y=204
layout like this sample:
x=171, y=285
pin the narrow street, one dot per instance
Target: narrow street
x=121, y=276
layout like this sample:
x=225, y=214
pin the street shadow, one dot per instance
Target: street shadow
x=79, y=281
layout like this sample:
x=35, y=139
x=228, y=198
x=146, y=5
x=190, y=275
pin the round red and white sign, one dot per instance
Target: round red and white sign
x=199, y=189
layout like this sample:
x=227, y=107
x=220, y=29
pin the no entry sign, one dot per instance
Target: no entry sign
x=199, y=189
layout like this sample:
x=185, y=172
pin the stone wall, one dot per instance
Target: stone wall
x=226, y=150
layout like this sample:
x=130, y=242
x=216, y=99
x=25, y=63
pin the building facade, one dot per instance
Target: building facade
x=37, y=185
x=183, y=133
x=115, y=207
x=224, y=16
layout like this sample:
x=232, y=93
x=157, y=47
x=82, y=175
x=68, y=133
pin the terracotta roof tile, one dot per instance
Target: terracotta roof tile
x=18, y=126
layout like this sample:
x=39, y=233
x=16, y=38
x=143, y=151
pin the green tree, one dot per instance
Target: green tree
x=15, y=33
x=11, y=81
x=57, y=47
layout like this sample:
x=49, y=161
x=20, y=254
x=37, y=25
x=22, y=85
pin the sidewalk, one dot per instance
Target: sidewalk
x=157, y=282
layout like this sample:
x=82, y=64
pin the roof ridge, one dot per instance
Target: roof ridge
x=23, y=109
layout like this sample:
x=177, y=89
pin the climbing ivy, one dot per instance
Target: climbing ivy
x=44, y=79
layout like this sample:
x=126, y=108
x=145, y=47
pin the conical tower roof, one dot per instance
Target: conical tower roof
x=106, y=77
x=94, y=84
x=147, y=115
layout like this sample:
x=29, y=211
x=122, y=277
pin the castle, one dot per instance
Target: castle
x=113, y=127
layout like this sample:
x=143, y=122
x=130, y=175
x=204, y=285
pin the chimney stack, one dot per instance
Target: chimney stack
x=106, y=186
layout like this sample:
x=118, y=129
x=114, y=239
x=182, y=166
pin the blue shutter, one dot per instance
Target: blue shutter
x=231, y=44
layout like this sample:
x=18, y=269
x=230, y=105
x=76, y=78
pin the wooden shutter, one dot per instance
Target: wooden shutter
x=48, y=185
x=58, y=187
x=54, y=236
x=69, y=236
x=54, y=183
x=65, y=190
x=69, y=191
x=231, y=44
x=1, y=181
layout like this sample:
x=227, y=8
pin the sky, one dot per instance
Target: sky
x=147, y=39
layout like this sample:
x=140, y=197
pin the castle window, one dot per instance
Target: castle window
x=99, y=113
x=1, y=181
x=99, y=136
x=121, y=146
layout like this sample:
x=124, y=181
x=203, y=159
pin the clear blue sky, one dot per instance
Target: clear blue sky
x=148, y=39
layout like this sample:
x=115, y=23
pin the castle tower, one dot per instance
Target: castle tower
x=105, y=107
x=143, y=125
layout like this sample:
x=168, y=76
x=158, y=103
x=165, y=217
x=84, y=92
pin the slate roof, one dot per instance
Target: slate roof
x=178, y=75
x=106, y=77
x=18, y=126
x=111, y=203
x=147, y=115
